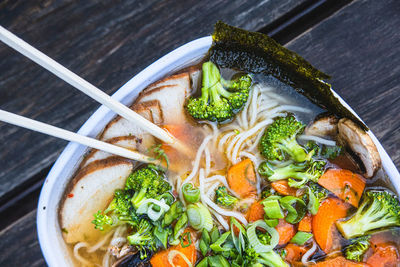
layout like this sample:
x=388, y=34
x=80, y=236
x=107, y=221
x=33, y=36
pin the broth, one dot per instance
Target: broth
x=228, y=144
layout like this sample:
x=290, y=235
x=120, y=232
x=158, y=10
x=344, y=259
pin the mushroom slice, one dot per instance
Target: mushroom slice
x=324, y=125
x=91, y=190
x=361, y=144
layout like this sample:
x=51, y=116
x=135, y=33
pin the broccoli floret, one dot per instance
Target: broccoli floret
x=297, y=174
x=279, y=141
x=119, y=210
x=216, y=102
x=379, y=209
x=272, y=259
x=101, y=220
x=324, y=151
x=314, y=196
x=319, y=192
x=224, y=198
x=143, y=238
x=147, y=182
x=355, y=251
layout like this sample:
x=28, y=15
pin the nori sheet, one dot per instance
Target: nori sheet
x=257, y=53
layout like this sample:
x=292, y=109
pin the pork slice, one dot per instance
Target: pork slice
x=91, y=190
x=171, y=99
x=129, y=142
x=181, y=78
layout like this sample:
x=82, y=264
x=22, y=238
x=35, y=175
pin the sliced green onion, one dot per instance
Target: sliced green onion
x=203, y=263
x=168, y=197
x=273, y=209
x=162, y=235
x=271, y=222
x=217, y=245
x=189, y=239
x=238, y=241
x=173, y=213
x=255, y=242
x=180, y=225
x=313, y=202
x=146, y=207
x=300, y=238
x=199, y=217
x=218, y=261
x=296, y=208
x=214, y=234
x=190, y=193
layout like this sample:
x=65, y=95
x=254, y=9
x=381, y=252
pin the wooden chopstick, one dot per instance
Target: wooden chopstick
x=51, y=65
x=71, y=136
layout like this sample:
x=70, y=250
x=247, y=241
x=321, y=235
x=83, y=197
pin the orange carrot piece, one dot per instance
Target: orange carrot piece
x=283, y=188
x=305, y=225
x=242, y=178
x=323, y=223
x=385, y=255
x=294, y=252
x=286, y=231
x=256, y=212
x=339, y=262
x=160, y=259
x=345, y=184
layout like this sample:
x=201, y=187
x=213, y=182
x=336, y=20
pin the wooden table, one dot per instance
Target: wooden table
x=357, y=42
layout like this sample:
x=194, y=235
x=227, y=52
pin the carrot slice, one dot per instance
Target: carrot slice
x=160, y=259
x=305, y=225
x=345, y=184
x=294, y=252
x=256, y=212
x=340, y=262
x=323, y=223
x=385, y=255
x=242, y=178
x=283, y=188
x=286, y=231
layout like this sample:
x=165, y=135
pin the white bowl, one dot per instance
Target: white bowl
x=50, y=237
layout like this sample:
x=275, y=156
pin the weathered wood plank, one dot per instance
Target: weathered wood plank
x=359, y=47
x=107, y=43
x=19, y=245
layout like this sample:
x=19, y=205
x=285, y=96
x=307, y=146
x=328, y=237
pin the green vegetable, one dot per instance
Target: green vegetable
x=120, y=210
x=272, y=208
x=216, y=102
x=257, y=53
x=379, y=209
x=214, y=235
x=159, y=153
x=223, y=198
x=180, y=225
x=218, y=261
x=101, y=220
x=147, y=182
x=296, y=208
x=190, y=193
x=297, y=174
x=174, y=212
x=203, y=263
x=204, y=243
x=300, y=238
x=279, y=140
x=218, y=246
x=162, y=234
x=254, y=239
x=271, y=222
x=324, y=151
x=272, y=259
x=199, y=217
x=357, y=248
x=239, y=241
x=142, y=239
x=315, y=195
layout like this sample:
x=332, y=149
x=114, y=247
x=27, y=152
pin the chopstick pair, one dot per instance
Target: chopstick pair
x=51, y=65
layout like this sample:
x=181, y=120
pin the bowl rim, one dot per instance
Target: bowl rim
x=53, y=252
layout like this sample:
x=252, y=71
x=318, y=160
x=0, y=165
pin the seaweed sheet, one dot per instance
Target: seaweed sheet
x=257, y=53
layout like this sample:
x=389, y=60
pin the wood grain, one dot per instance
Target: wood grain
x=107, y=43
x=359, y=48
x=19, y=245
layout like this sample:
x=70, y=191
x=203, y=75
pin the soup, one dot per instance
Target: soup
x=267, y=178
